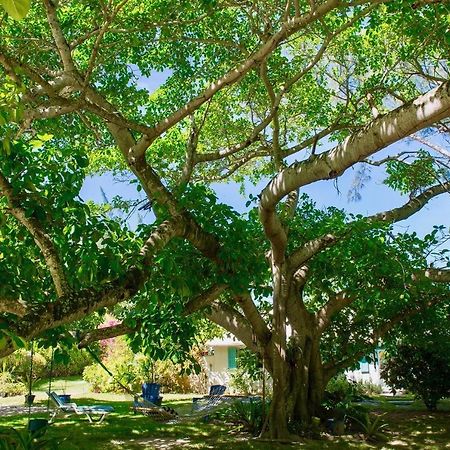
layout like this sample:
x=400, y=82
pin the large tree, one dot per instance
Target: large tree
x=292, y=92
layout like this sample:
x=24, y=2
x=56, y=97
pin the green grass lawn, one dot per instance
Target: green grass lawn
x=410, y=427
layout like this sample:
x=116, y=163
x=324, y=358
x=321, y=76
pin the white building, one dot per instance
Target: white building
x=220, y=363
x=369, y=372
x=220, y=359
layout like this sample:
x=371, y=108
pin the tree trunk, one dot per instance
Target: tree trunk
x=298, y=389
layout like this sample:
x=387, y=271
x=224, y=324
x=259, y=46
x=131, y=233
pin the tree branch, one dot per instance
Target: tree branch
x=377, y=334
x=331, y=308
x=433, y=146
x=254, y=317
x=412, y=206
x=398, y=124
x=76, y=305
x=105, y=333
x=234, y=322
x=58, y=36
x=234, y=75
x=41, y=238
x=204, y=299
x=16, y=307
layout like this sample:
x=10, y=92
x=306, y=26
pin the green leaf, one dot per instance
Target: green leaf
x=17, y=9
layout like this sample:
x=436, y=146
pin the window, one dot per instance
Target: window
x=364, y=365
x=232, y=354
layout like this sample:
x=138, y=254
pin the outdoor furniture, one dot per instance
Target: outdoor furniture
x=150, y=393
x=101, y=411
x=217, y=389
x=155, y=412
x=211, y=400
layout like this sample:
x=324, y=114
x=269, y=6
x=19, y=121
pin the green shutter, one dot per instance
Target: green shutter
x=232, y=358
x=364, y=365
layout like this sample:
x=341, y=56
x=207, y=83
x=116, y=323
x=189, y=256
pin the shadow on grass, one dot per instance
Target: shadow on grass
x=409, y=429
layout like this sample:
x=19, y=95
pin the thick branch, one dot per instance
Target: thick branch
x=311, y=248
x=16, y=307
x=76, y=305
x=254, y=317
x=383, y=131
x=331, y=308
x=234, y=322
x=412, y=206
x=204, y=299
x=106, y=333
x=42, y=239
x=155, y=190
x=58, y=36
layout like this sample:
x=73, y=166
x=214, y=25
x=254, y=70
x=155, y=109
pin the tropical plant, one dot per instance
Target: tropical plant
x=372, y=426
x=19, y=365
x=27, y=440
x=131, y=370
x=247, y=415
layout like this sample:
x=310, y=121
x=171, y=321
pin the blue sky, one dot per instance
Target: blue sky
x=376, y=196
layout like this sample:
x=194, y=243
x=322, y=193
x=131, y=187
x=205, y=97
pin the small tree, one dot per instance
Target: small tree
x=422, y=370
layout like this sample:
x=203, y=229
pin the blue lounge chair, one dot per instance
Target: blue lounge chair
x=72, y=408
x=211, y=400
x=217, y=389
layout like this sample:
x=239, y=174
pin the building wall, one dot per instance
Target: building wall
x=217, y=366
x=369, y=372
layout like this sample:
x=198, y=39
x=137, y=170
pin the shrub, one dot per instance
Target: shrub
x=14, y=439
x=371, y=426
x=369, y=389
x=9, y=387
x=169, y=376
x=422, y=370
x=77, y=361
x=341, y=391
x=18, y=365
x=131, y=370
x=241, y=382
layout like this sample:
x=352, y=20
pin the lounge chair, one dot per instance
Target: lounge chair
x=211, y=400
x=101, y=411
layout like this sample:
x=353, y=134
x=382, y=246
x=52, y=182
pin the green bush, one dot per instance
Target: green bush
x=25, y=440
x=77, y=361
x=422, y=370
x=371, y=426
x=241, y=382
x=10, y=387
x=18, y=365
x=340, y=390
x=131, y=370
x=368, y=388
